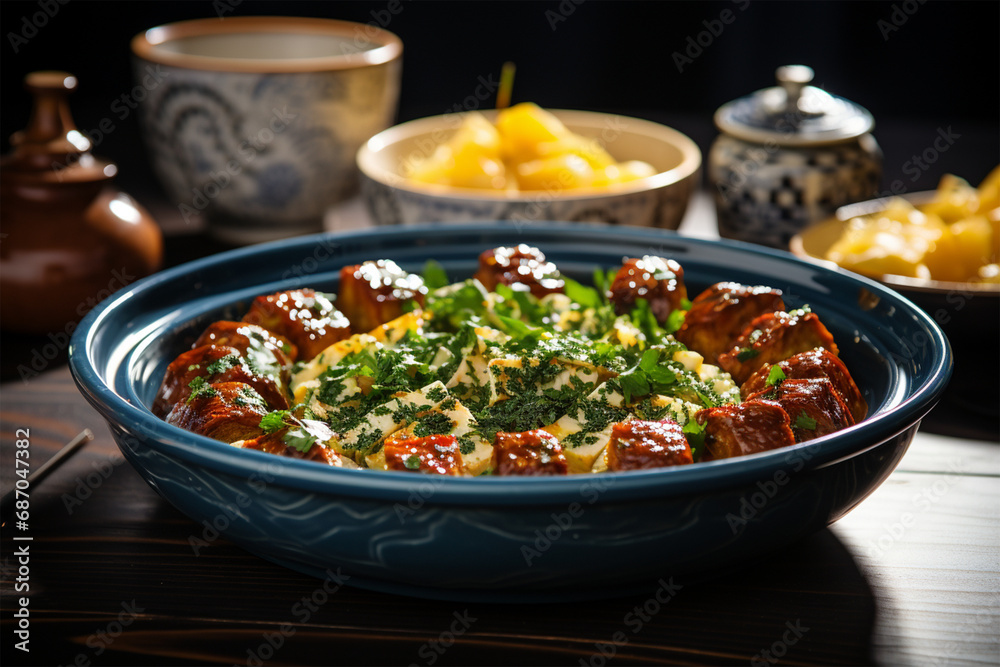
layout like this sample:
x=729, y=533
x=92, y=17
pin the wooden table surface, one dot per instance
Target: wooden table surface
x=912, y=576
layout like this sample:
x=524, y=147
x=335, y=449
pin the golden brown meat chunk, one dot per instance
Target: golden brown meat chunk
x=719, y=314
x=226, y=411
x=273, y=443
x=374, y=293
x=638, y=444
x=773, y=337
x=305, y=317
x=521, y=265
x=813, y=364
x=432, y=454
x=657, y=280
x=209, y=364
x=250, y=338
x=814, y=407
x=528, y=453
x=747, y=428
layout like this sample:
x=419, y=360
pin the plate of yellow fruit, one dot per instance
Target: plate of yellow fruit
x=525, y=163
x=944, y=239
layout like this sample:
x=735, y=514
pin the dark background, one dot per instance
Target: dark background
x=917, y=67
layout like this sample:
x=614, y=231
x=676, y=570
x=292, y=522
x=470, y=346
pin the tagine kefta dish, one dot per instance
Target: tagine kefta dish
x=331, y=409
x=516, y=371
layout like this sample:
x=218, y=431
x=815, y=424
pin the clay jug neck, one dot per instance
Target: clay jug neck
x=50, y=148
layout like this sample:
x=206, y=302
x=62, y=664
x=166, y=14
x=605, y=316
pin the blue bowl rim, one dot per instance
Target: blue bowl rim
x=398, y=486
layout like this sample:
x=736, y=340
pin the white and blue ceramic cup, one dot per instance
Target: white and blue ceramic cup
x=789, y=156
x=252, y=123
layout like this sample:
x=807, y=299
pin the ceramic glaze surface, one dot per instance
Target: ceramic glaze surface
x=502, y=538
x=659, y=201
x=253, y=123
x=767, y=194
x=263, y=155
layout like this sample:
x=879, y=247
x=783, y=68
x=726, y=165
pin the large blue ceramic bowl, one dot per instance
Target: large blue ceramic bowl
x=503, y=538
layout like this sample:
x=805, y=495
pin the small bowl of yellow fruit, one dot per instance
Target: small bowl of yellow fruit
x=927, y=241
x=941, y=249
x=527, y=164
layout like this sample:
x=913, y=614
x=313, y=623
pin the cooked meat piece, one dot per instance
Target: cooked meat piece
x=213, y=364
x=226, y=411
x=245, y=337
x=814, y=407
x=814, y=364
x=719, y=314
x=433, y=454
x=305, y=317
x=638, y=444
x=528, y=453
x=374, y=293
x=520, y=265
x=747, y=428
x=772, y=337
x=273, y=443
x=657, y=280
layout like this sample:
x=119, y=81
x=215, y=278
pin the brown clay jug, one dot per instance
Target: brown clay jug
x=68, y=239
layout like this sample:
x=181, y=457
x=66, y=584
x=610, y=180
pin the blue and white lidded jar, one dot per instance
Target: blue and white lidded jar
x=789, y=156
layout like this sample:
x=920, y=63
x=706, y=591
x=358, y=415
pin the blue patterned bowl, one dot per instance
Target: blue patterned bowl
x=253, y=122
x=501, y=538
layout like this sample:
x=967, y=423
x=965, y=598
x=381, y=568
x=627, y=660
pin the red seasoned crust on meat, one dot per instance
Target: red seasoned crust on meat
x=747, y=428
x=434, y=454
x=720, y=314
x=273, y=443
x=638, y=444
x=226, y=411
x=814, y=406
x=521, y=265
x=373, y=293
x=214, y=364
x=773, y=337
x=526, y=453
x=303, y=316
x=818, y=363
x=657, y=280
x=248, y=337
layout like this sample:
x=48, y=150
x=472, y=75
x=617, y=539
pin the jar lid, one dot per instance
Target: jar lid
x=793, y=113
